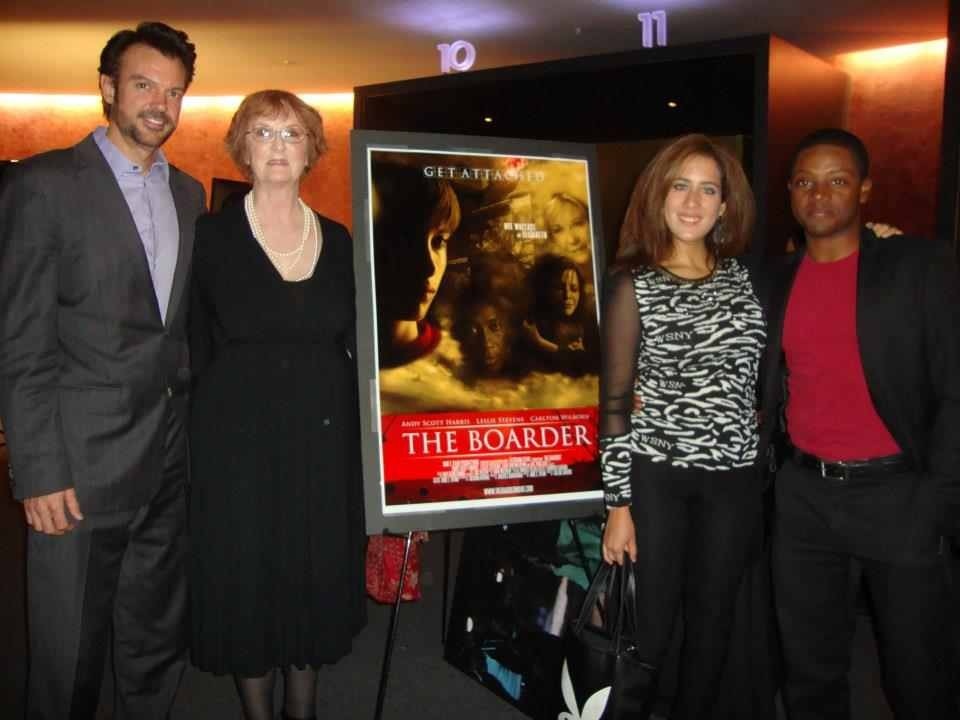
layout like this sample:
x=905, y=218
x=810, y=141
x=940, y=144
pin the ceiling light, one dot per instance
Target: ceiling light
x=488, y=119
x=895, y=55
x=671, y=103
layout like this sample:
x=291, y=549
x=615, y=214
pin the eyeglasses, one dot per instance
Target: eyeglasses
x=289, y=135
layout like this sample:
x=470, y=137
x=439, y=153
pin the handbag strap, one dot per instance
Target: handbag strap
x=623, y=593
x=599, y=582
x=619, y=587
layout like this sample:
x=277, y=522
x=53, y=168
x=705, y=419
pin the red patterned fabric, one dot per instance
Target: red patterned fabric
x=384, y=560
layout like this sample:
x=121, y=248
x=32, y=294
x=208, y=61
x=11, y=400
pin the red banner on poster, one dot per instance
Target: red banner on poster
x=468, y=455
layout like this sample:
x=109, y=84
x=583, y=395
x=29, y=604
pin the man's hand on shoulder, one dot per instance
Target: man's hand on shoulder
x=53, y=514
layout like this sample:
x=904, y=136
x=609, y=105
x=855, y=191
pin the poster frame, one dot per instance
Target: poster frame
x=489, y=511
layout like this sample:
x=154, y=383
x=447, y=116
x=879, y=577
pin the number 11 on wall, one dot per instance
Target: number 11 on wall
x=650, y=20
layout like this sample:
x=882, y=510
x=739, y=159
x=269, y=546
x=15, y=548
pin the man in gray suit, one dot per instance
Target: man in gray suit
x=95, y=249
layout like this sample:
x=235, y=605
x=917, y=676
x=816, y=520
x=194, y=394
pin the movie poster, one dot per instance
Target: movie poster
x=486, y=330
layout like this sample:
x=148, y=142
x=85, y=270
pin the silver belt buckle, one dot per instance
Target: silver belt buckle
x=825, y=472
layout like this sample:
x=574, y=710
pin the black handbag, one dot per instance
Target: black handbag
x=604, y=677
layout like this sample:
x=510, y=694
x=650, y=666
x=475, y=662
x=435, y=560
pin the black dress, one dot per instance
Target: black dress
x=276, y=501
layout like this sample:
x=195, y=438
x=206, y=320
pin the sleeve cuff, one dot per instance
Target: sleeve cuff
x=615, y=464
x=33, y=476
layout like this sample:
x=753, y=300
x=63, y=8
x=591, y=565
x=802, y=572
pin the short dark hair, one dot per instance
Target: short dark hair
x=465, y=313
x=161, y=37
x=838, y=138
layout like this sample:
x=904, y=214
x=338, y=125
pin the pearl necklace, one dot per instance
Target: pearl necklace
x=316, y=249
x=284, y=260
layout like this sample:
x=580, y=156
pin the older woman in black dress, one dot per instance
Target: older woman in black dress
x=276, y=504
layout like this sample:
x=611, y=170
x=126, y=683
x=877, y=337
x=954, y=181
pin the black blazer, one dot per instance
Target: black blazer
x=87, y=366
x=767, y=396
x=908, y=330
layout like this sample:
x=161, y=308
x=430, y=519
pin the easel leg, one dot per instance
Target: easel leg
x=392, y=632
x=580, y=550
x=446, y=586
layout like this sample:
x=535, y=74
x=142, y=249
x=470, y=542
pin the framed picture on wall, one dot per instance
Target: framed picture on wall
x=476, y=266
x=224, y=192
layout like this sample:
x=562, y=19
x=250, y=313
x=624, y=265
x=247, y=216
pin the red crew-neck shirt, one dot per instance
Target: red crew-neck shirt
x=829, y=410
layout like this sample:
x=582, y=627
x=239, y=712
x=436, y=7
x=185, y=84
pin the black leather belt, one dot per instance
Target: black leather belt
x=846, y=469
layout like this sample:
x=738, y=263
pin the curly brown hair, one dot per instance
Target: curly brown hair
x=645, y=238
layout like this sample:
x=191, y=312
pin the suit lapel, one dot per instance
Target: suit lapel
x=779, y=296
x=873, y=284
x=869, y=289
x=96, y=179
x=182, y=200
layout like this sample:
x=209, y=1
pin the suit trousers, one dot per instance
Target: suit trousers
x=823, y=546
x=119, y=575
x=694, y=532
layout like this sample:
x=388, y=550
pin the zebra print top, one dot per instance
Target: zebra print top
x=691, y=350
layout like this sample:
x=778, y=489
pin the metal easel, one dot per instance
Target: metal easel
x=394, y=622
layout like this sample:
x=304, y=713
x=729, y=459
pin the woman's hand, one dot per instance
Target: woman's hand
x=619, y=536
x=538, y=340
x=883, y=230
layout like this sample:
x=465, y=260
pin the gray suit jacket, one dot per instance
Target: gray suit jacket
x=87, y=366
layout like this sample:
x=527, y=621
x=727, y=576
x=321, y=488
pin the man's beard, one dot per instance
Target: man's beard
x=129, y=128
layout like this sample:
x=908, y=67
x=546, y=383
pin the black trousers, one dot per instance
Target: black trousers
x=122, y=572
x=694, y=529
x=830, y=534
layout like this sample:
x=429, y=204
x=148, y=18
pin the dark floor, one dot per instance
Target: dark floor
x=422, y=685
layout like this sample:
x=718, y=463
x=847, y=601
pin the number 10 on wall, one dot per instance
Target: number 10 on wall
x=458, y=56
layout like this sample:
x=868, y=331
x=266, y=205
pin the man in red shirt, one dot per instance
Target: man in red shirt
x=867, y=334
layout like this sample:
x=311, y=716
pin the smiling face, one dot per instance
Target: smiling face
x=694, y=200
x=569, y=230
x=826, y=192
x=275, y=161
x=144, y=100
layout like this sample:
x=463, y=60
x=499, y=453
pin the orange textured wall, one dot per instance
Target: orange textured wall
x=196, y=147
x=896, y=106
